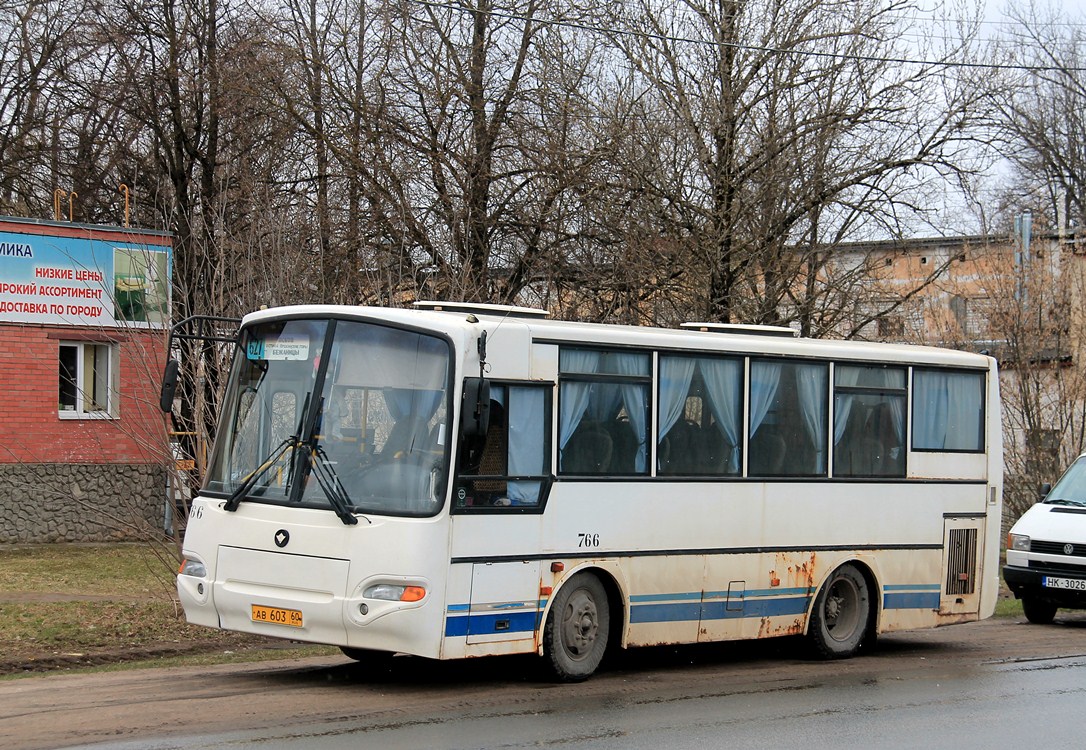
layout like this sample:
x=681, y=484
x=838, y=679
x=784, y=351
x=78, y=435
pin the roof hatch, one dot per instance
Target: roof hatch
x=482, y=308
x=742, y=329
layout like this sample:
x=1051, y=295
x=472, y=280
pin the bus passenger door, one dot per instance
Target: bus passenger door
x=504, y=601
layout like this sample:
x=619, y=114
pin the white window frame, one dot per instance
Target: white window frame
x=83, y=407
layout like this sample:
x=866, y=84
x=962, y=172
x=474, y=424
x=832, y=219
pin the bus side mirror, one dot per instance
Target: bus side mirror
x=1045, y=489
x=475, y=407
x=169, y=386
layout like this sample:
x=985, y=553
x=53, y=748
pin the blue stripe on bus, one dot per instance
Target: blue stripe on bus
x=913, y=587
x=518, y=622
x=796, y=605
x=717, y=610
x=914, y=600
x=741, y=594
x=689, y=606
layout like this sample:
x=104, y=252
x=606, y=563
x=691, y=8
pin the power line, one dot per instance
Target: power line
x=581, y=26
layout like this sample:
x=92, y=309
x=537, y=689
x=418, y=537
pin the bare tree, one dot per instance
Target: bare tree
x=201, y=157
x=458, y=132
x=1043, y=385
x=1038, y=114
x=1040, y=106
x=40, y=40
x=806, y=129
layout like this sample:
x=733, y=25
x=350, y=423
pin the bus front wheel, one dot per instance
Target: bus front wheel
x=577, y=628
x=842, y=614
x=368, y=657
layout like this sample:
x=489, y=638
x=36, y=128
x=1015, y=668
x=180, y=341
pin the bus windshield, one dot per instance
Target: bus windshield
x=333, y=413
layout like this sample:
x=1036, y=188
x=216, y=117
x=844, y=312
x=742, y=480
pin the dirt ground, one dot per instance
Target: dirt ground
x=182, y=640
x=292, y=696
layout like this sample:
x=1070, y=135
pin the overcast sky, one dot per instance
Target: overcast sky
x=1070, y=10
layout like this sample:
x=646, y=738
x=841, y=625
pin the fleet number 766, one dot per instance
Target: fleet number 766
x=588, y=540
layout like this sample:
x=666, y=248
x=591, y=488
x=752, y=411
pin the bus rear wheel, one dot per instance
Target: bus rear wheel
x=577, y=629
x=842, y=614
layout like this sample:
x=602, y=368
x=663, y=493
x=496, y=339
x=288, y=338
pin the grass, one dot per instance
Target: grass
x=118, y=570
x=1008, y=608
x=107, y=607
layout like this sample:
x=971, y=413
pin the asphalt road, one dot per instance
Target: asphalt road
x=999, y=683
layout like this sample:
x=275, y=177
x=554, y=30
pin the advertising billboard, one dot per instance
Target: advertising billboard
x=83, y=276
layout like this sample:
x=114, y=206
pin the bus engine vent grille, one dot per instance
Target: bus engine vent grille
x=961, y=578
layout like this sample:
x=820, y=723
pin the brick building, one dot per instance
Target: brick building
x=83, y=446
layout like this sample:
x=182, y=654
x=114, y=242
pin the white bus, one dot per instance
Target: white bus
x=465, y=480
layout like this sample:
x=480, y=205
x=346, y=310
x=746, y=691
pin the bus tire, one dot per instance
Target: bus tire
x=577, y=629
x=841, y=616
x=1037, y=611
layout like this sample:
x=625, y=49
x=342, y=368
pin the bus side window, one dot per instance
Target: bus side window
x=948, y=410
x=869, y=421
x=510, y=467
x=604, y=392
x=788, y=418
x=699, y=417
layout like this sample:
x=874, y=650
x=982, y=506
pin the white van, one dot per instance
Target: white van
x=1046, y=549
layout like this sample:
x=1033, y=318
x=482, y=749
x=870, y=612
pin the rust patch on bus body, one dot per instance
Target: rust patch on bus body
x=767, y=630
x=951, y=618
x=800, y=575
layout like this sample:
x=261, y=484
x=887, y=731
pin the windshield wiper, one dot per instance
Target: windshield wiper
x=250, y=481
x=329, y=482
x=1063, y=501
x=316, y=461
x=292, y=442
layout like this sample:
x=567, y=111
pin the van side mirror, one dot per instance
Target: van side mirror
x=475, y=407
x=169, y=386
x=1044, y=490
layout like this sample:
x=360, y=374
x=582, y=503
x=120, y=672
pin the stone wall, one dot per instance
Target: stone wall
x=80, y=502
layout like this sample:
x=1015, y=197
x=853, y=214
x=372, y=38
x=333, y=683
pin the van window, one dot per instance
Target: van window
x=1071, y=489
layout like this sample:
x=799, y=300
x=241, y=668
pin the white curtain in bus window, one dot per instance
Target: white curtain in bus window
x=527, y=443
x=948, y=410
x=511, y=465
x=868, y=421
x=699, y=415
x=788, y=419
x=604, y=412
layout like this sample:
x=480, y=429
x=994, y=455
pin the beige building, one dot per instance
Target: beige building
x=960, y=292
x=1019, y=298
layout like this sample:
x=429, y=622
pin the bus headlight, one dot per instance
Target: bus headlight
x=1018, y=542
x=193, y=585
x=393, y=593
x=193, y=568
